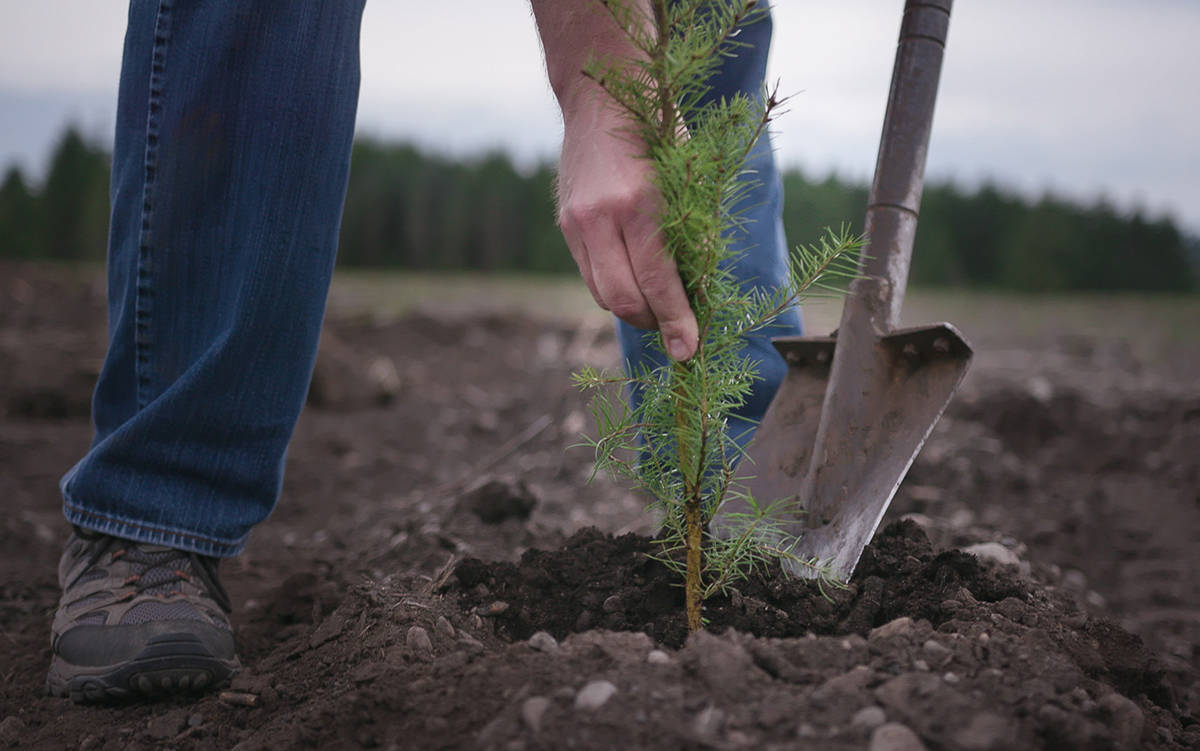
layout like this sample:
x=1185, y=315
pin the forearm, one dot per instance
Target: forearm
x=573, y=32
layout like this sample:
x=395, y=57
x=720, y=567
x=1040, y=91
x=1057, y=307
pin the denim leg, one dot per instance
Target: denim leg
x=234, y=127
x=763, y=262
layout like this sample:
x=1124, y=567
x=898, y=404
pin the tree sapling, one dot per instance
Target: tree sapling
x=680, y=443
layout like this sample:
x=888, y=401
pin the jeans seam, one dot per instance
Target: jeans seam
x=148, y=527
x=144, y=296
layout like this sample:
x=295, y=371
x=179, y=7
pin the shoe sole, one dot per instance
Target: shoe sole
x=171, y=664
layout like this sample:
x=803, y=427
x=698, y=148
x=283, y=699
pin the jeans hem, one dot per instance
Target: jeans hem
x=151, y=534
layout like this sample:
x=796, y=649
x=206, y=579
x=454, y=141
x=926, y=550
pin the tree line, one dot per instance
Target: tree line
x=410, y=209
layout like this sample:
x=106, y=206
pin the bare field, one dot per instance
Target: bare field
x=376, y=607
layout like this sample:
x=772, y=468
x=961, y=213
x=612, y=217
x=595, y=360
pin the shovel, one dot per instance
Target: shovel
x=855, y=408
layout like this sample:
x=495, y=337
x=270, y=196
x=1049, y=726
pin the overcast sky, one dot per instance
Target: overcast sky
x=1083, y=97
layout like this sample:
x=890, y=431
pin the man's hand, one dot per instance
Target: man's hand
x=608, y=205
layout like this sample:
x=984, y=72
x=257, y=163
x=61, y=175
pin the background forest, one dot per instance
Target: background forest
x=408, y=209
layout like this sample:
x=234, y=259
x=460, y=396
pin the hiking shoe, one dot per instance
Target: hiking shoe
x=137, y=620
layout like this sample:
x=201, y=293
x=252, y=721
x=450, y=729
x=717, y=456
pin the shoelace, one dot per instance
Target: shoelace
x=158, y=572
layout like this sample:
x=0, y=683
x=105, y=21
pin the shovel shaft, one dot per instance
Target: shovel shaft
x=895, y=200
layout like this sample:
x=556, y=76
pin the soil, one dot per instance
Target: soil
x=440, y=574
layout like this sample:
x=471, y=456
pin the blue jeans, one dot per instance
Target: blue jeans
x=234, y=127
x=763, y=262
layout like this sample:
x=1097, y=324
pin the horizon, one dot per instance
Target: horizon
x=1079, y=101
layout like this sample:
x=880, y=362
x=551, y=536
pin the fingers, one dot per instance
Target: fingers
x=658, y=279
x=623, y=263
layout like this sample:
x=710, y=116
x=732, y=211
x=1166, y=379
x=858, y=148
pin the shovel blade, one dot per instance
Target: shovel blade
x=843, y=474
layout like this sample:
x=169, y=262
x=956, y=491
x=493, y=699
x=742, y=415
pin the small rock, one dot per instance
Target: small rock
x=594, y=695
x=470, y=644
x=533, y=710
x=708, y=722
x=417, y=639
x=994, y=552
x=611, y=604
x=936, y=651
x=847, y=683
x=542, y=641
x=443, y=627
x=12, y=730
x=195, y=720
x=496, y=608
x=806, y=730
x=1074, y=579
x=658, y=657
x=921, y=665
x=951, y=678
x=902, y=626
x=1127, y=720
x=869, y=718
x=986, y=732
x=722, y=664
x=893, y=736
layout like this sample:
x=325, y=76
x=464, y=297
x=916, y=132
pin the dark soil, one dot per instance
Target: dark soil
x=431, y=578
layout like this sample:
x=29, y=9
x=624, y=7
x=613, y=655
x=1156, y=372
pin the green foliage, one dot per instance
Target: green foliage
x=409, y=209
x=20, y=225
x=75, y=200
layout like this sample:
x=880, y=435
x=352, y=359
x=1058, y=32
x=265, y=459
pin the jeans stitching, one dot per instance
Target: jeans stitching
x=150, y=528
x=143, y=305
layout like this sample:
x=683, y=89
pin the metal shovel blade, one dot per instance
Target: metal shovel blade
x=853, y=412
x=887, y=410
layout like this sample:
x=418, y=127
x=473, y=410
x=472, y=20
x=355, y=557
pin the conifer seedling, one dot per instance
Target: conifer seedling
x=679, y=444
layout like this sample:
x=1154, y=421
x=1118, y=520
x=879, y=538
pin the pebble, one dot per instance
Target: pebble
x=470, y=644
x=533, y=710
x=594, y=695
x=443, y=627
x=869, y=718
x=91, y=743
x=893, y=736
x=994, y=552
x=721, y=664
x=658, y=657
x=195, y=720
x=417, y=639
x=612, y=604
x=850, y=682
x=951, y=678
x=902, y=626
x=986, y=731
x=935, y=650
x=708, y=722
x=542, y=641
x=1074, y=579
x=921, y=665
x=1127, y=720
x=496, y=608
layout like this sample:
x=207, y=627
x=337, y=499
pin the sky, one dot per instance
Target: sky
x=1084, y=98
